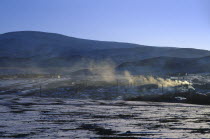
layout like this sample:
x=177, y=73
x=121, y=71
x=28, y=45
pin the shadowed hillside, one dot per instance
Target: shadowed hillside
x=164, y=65
x=30, y=49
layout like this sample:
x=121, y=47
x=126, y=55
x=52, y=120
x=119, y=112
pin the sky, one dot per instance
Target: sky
x=174, y=23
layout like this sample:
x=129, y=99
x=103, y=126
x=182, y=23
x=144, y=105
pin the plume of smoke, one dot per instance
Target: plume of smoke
x=129, y=77
x=165, y=82
x=141, y=80
x=105, y=70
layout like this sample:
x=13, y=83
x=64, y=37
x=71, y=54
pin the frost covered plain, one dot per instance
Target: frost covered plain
x=36, y=117
x=62, y=107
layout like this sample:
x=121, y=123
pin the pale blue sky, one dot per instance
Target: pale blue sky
x=177, y=23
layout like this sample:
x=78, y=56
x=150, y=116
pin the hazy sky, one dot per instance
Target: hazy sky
x=178, y=23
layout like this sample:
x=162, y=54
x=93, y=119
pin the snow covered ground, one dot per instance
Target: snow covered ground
x=36, y=117
x=55, y=114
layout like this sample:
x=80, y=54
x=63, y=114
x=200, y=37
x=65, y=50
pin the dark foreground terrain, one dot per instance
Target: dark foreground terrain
x=36, y=117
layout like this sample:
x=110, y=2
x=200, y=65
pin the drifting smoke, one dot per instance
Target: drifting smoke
x=163, y=82
x=129, y=77
x=142, y=80
x=105, y=70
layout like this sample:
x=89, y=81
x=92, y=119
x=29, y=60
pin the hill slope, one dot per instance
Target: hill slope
x=25, y=44
x=31, y=43
x=164, y=65
x=49, y=50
